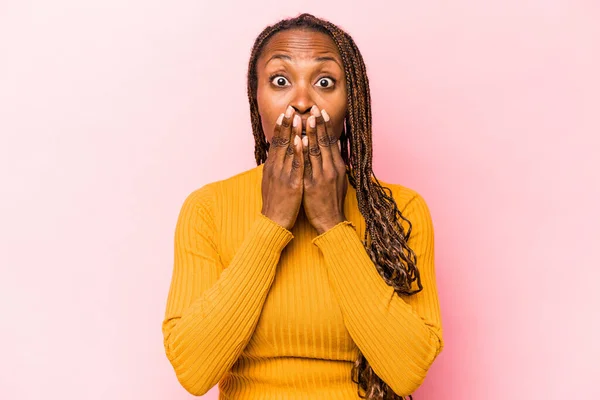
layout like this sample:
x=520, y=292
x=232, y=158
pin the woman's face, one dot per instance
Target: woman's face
x=300, y=68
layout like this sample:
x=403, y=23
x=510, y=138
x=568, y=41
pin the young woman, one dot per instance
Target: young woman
x=304, y=277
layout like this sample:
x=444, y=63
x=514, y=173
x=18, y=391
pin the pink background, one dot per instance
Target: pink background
x=111, y=112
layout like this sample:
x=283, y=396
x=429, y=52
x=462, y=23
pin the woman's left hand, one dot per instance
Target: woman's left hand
x=325, y=183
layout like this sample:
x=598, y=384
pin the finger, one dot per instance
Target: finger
x=298, y=172
x=322, y=139
x=307, y=165
x=336, y=152
x=276, y=138
x=314, y=151
x=283, y=140
x=293, y=161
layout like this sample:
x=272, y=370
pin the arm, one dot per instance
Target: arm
x=399, y=336
x=211, y=312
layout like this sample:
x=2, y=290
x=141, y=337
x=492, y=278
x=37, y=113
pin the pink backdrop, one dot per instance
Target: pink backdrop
x=111, y=112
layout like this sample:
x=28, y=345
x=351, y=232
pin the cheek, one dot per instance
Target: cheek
x=268, y=130
x=340, y=113
x=339, y=126
x=338, y=120
x=268, y=111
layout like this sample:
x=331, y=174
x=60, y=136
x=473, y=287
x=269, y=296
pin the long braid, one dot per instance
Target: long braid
x=385, y=239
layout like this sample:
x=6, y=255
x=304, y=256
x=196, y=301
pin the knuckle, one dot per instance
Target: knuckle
x=286, y=122
x=296, y=163
x=289, y=151
x=314, y=151
x=330, y=175
x=280, y=141
x=324, y=141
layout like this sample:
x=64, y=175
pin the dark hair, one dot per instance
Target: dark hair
x=385, y=239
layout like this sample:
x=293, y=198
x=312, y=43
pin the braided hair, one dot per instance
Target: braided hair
x=385, y=239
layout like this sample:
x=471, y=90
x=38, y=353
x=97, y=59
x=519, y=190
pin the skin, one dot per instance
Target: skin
x=301, y=87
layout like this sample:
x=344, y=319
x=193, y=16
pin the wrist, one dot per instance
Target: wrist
x=324, y=227
x=279, y=221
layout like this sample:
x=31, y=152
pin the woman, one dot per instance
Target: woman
x=274, y=294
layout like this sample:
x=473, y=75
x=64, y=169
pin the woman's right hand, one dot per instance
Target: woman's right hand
x=283, y=171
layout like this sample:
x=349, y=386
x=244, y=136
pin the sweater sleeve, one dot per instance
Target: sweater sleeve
x=212, y=311
x=400, y=336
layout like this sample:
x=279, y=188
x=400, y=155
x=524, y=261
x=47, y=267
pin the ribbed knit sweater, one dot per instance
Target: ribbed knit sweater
x=269, y=313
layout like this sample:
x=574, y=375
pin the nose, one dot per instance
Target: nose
x=302, y=100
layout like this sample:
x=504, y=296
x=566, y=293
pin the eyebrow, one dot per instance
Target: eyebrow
x=318, y=59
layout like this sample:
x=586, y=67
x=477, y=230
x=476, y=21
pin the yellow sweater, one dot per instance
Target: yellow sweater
x=269, y=313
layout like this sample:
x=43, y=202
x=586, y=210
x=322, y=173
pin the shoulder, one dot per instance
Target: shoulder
x=404, y=196
x=413, y=207
x=208, y=194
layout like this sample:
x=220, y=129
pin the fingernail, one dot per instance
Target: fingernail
x=315, y=111
x=279, y=119
x=296, y=120
x=325, y=115
x=305, y=140
x=296, y=138
x=311, y=121
x=289, y=111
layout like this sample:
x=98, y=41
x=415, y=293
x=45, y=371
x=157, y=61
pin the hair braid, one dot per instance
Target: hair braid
x=385, y=239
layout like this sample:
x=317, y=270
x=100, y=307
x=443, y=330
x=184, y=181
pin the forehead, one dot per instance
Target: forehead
x=300, y=44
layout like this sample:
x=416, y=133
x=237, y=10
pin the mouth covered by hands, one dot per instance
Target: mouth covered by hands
x=304, y=168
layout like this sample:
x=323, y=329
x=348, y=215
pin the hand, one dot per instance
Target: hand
x=283, y=171
x=325, y=183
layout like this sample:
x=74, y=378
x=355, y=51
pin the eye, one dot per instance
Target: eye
x=326, y=82
x=279, y=81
